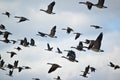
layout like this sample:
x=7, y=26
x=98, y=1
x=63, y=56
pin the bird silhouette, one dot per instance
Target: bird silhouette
x=16, y=64
x=92, y=69
x=86, y=71
x=32, y=42
x=18, y=48
x=96, y=27
x=52, y=32
x=77, y=35
x=89, y=4
x=58, y=78
x=50, y=8
x=48, y=47
x=20, y=69
x=22, y=19
x=2, y=27
x=7, y=14
x=10, y=73
x=100, y=4
x=95, y=45
x=42, y=34
x=12, y=53
x=80, y=47
x=59, y=51
x=69, y=30
x=53, y=67
x=2, y=62
x=71, y=56
x=6, y=34
x=114, y=66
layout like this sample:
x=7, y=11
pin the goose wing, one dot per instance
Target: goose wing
x=50, y=6
x=52, y=32
x=101, y=2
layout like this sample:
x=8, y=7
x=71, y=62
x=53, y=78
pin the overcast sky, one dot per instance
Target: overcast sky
x=68, y=14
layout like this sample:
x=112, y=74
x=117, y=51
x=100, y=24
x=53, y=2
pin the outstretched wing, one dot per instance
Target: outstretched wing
x=50, y=6
x=101, y=2
x=52, y=32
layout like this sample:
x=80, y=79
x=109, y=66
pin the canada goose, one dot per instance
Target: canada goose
x=71, y=56
x=53, y=67
x=58, y=78
x=80, y=47
x=26, y=67
x=20, y=69
x=32, y=42
x=68, y=29
x=12, y=53
x=48, y=47
x=95, y=45
x=92, y=69
x=22, y=19
x=10, y=66
x=6, y=34
x=7, y=14
x=16, y=64
x=42, y=34
x=59, y=51
x=86, y=72
x=35, y=78
x=2, y=62
x=25, y=43
x=10, y=73
x=114, y=66
x=52, y=32
x=18, y=48
x=95, y=26
x=100, y=4
x=77, y=35
x=89, y=4
x=50, y=8
x=2, y=27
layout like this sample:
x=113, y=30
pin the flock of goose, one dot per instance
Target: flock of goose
x=94, y=44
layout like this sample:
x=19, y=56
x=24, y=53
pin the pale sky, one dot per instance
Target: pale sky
x=68, y=13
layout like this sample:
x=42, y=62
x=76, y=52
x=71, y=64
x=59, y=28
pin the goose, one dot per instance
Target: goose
x=59, y=51
x=71, y=56
x=86, y=71
x=92, y=69
x=26, y=67
x=49, y=48
x=10, y=66
x=96, y=27
x=6, y=34
x=16, y=64
x=89, y=4
x=18, y=48
x=42, y=34
x=53, y=67
x=114, y=66
x=52, y=32
x=100, y=4
x=2, y=27
x=22, y=19
x=7, y=14
x=58, y=78
x=12, y=53
x=20, y=69
x=10, y=73
x=69, y=30
x=2, y=62
x=77, y=35
x=32, y=42
x=96, y=44
x=80, y=47
x=50, y=8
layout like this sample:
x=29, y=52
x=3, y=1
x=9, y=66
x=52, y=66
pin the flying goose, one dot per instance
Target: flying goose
x=18, y=48
x=7, y=14
x=86, y=71
x=59, y=51
x=52, y=32
x=12, y=53
x=10, y=73
x=100, y=4
x=2, y=27
x=6, y=34
x=22, y=19
x=89, y=4
x=42, y=34
x=71, y=56
x=95, y=45
x=58, y=78
x=50, y=8
x=68, y=29
x=77, y=35
x=80, y=47
x=96, y=27
x=53, y=67
x=114, y=66
x=16, y=64
x=32, y=42
x=92, y=69
x=48, y=47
